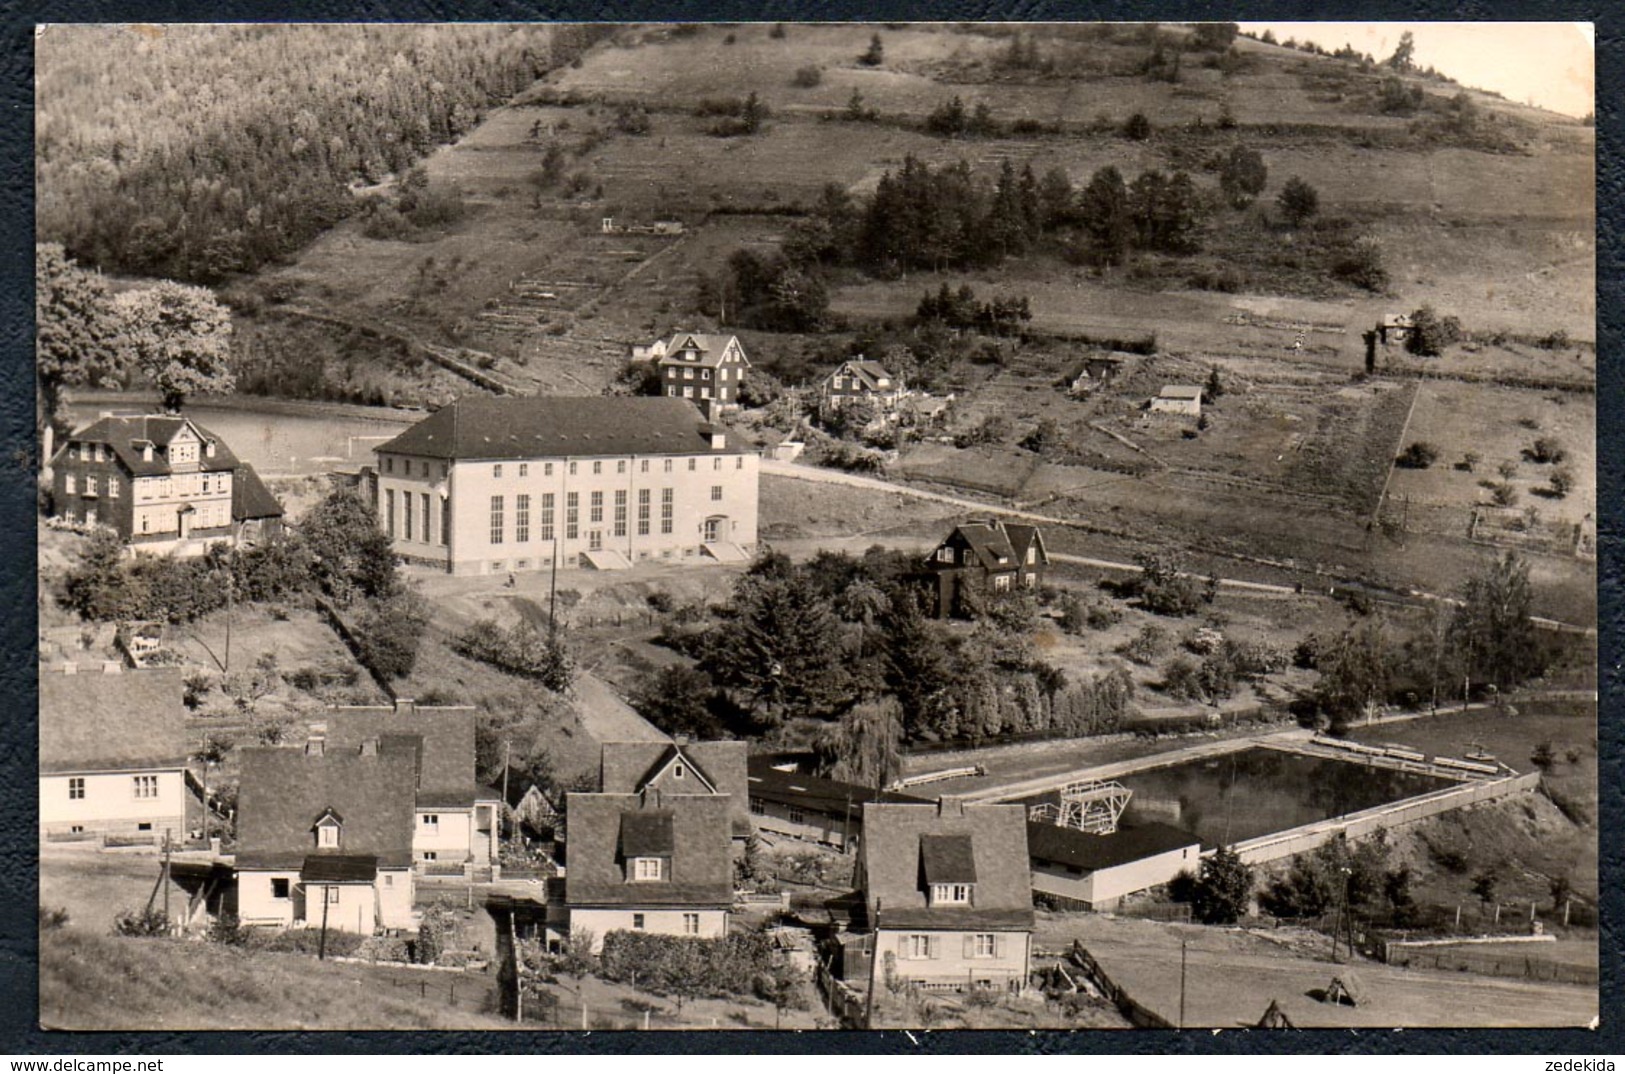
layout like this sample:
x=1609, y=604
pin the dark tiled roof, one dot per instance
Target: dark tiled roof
x=870, y=373
x=1081, y=850
x=998, y=545
x=625, y=767
x=552, y=426
x=947, y=859
x=829, y=796
x=250, y=499
x=120, y=433
x=893, y=869
x=284, y=790
x=337, y=868
x=647, y=834
x=91, y=722
x=440, y=740
x=701, y=858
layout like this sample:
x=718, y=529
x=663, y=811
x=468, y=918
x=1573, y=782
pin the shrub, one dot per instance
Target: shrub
x=875, y=55
x=1137, y=127
x=1146, y=646
x=1562, y=482
x=227, y=930
x=148, y=922
x=1547, y=449
x=1503, y=494
x=52, y=918
x=808, y=77
x=1431, y=333
x=1298, y=201
x=1418, y=456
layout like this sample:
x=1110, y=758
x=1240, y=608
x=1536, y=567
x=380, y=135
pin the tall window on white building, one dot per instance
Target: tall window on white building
x=667, y=497
x=389, y=511
x=497, y=522
x=643, y=512
x=572, y=514
x=547, y=516
x=521, y=518
x=596, y=507
x=620, y=512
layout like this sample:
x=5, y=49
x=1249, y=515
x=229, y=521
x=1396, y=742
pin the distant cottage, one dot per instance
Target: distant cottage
x=492, y=485
x=163, y=482
x=860, y=380
x=1395, y=328
x=1183, y=399
x=990, y=554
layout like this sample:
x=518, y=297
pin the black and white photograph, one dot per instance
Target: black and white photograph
x=814, y=526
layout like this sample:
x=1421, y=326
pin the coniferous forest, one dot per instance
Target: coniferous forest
x=209, y=150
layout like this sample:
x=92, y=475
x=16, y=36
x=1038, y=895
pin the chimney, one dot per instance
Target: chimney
x=146, y=451
x=208, y=449
x=405, y=706
x=369, y=747
x=315, y=746
x=950, y=806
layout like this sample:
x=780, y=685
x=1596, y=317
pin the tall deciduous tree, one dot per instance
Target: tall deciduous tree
x=179, y=337
x=865, y=747
x=1223, y=888
x=76, y=340
x=1354, y=671
x=1494, y=636
x=350, y=554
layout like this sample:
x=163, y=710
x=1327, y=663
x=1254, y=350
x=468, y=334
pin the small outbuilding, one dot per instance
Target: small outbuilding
x=1395, y=328
x=1178, y=399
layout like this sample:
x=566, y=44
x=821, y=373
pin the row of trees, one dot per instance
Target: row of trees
x=212, y=149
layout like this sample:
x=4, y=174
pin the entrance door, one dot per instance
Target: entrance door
x=595, y=540
x=716, y=528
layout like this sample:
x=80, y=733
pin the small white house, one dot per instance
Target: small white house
x=1183, y=399
x=113, y=755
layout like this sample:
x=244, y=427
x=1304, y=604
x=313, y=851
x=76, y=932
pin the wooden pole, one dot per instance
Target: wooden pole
x=166, y=874
x=507, y=762
x=321, y=944
x=874, y=968
x=1182, y=946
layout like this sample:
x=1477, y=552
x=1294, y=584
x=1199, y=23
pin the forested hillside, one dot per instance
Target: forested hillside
x=207, y=150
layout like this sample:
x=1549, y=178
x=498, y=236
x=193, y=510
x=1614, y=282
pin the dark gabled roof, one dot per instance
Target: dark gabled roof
x=646, y=834
x=700, y=859
x=250, y=499
x=554, y=426
x=338, y=868
x=1081, y=850
x=440, y=741
x=284, y=790
x=998, y=545
x=627, y=767
x=829, y=796
x=122, y=433
x=520, y=784
x=897, y=837
x=947, y=859
x=870, y=374
x=93, y=722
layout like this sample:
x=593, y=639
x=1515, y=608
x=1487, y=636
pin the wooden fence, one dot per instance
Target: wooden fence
x=1141, y=1016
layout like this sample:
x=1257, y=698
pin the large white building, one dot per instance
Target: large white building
x=493, y=485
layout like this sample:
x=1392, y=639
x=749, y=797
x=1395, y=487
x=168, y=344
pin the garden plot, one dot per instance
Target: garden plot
x=1498, y=425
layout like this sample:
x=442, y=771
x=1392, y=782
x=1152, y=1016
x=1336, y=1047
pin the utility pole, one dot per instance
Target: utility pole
x=874, y=969
x=553, y=595
x=321, y=944
x=507, y=762
x=1182, y=946
x=166, y=874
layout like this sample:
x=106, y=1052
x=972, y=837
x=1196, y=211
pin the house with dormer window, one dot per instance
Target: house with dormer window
x=989, y=554
x=163, y=482
x=701, y=367
x=324, y=837
x=653, y=849
x=861, y=381
x=946, y=893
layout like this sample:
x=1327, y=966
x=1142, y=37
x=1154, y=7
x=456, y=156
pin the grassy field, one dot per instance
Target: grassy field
x=1233, y=975
x=90, y=981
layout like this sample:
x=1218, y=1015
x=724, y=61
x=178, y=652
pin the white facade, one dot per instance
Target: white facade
x=954, y=958
x=278, y=898
x=1102, y=889
x=114, y=803
x=711, y=923
x=454, y=834
x=491, y=517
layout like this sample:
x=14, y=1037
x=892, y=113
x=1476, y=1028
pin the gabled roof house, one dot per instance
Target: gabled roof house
x=946, y=890
x=987, y=553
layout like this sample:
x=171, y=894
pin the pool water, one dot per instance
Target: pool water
x=1254, y=792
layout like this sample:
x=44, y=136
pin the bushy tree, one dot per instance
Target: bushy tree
x=1242, y=176
x=677, y=699
x=875, y=54
x=1418, y=456
x=388, y=632
x=1354, y=671
x=865, y=747
x=1404, y=56
x=1137, y=127
x=1223, y=889
x=1431, y=333
x=350, y=555
x=77, y=331
x=179, y=338
x=1298, y=202
x=1107, y=217
x=1164, y=586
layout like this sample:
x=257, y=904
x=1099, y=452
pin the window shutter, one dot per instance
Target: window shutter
x=998, y=945
x=970, y=945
